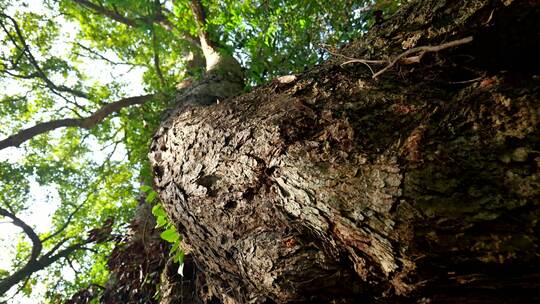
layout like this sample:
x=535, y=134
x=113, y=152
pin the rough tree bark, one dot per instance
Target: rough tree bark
x=422, y=185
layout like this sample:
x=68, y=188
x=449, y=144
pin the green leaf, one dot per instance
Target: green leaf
x=151, y=196
x=170, y=235
x=175, y=247
x=161, y=221
x=179, y=257
x=146, y=188
x=158, y=211
x=3, y=273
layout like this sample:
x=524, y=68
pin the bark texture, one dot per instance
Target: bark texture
x=420, y=186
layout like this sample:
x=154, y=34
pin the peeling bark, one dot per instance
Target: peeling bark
x=421, y=186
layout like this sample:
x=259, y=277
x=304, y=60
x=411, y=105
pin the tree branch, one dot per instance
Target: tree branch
x=98, y=56
x=200, y=18
x=108, y=13
x=55, y=247
x=86, y=122
x=66, y=223
x=160, y=19
x=37, y=245
x=157, y=65
x=36, y=265
x=208, y=47
x=37, y=262
x=72, y=266
x=25, y=49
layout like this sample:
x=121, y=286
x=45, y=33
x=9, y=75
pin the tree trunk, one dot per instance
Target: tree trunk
x=422, y=185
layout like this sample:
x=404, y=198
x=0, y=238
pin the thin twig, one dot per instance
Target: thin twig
x=21, y=287
x=135, y=22
x=67, y=222
x=98, y=56
x=360, y=61
x=466, y=81
x=157, y=65
x=418, y=53
x=422, y=50
x=25, y=48
x=355, y=60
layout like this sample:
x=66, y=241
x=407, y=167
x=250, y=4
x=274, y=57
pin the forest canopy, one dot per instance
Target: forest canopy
x=84, y=84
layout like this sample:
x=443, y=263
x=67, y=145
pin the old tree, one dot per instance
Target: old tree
x=275, y=151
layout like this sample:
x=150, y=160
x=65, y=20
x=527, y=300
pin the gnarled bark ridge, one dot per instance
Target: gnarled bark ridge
x=421, y=185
